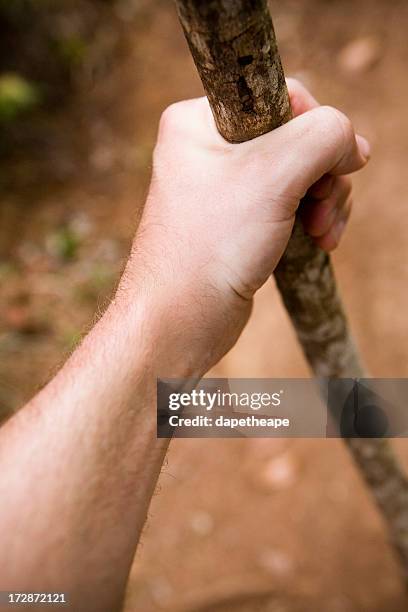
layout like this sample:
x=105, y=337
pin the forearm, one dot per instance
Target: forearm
x=79, y=464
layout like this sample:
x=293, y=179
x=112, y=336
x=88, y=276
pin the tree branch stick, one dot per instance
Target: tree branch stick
x=234, y=47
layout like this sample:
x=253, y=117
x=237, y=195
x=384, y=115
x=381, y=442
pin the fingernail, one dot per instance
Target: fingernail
x=338, y=230
x=364, y=146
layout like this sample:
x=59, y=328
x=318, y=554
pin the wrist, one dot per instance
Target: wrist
x=155, y=323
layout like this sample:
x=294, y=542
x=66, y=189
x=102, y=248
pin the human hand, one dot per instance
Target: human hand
x=219, y=215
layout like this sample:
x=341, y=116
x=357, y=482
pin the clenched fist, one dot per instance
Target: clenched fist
x=219, y=216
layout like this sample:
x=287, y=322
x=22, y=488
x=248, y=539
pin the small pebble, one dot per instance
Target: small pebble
x=161, y=591
x=102, y=158
x=360, y=55
x=278, y=473
x=276, y=562
x=202, y=523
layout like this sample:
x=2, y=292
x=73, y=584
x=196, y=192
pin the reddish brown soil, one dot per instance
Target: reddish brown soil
x=236, y=525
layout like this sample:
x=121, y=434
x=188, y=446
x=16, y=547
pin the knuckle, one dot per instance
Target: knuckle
x=170, y=118
x=338, y=123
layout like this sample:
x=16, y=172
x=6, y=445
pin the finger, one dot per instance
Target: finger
x=331, y=239
x=321, y=141
x=301, y=99
x=319, y=215
x=323, y=188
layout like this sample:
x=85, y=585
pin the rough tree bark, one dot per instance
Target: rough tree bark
x=234, y=47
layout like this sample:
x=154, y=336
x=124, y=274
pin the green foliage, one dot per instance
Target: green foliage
x=100, y=280
x=7, y=270
x=71, y=50
x=17, y=96
x=46, y=47
x=64, y=243
x=70, y=339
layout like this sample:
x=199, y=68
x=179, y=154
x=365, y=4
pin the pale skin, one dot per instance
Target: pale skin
x=79, y=463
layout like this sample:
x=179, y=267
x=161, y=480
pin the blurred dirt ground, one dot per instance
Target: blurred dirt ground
x=238, y=525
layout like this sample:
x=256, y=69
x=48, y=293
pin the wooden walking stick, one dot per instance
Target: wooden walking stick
x=234, y=47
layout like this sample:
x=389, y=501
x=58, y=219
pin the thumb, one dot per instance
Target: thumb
x=321, y=141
